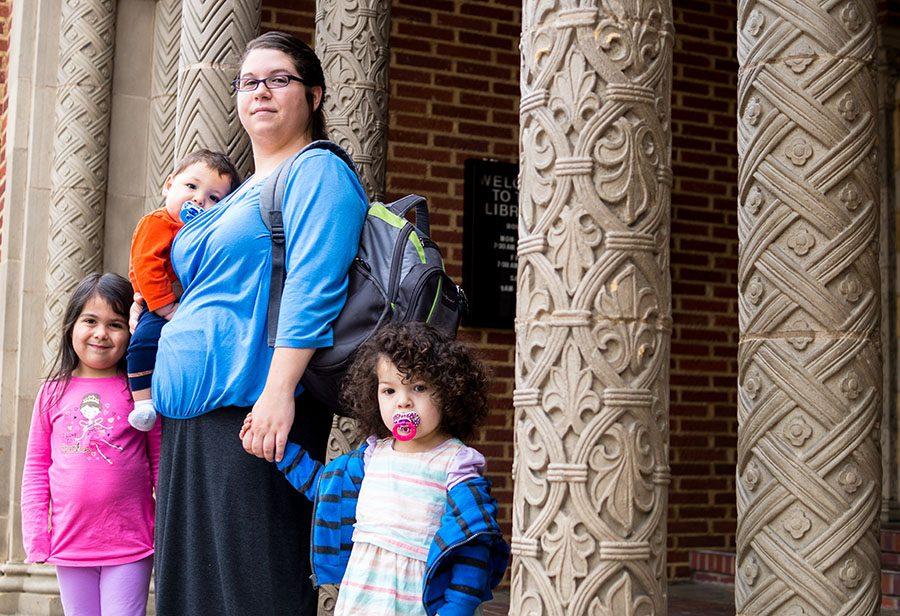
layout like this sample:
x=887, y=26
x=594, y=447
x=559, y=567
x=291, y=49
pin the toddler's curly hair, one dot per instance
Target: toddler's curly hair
x=419, y=351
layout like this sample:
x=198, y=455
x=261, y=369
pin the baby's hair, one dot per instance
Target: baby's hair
x=218, y=162
x=111, y=288
x=419, y=352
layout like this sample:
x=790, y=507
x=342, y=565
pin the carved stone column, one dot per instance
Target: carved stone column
x=163, y=98
x=809, y=400
x=593, y=317
x=213, y=37
x=887, y=67
x=353, y=42
x=80, y=155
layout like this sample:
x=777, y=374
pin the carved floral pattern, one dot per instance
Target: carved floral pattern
x=632, y=43
x=796, y=523
x=850, y=574
x=801, y=60
x=848, y=107
x=851, y=17
x=755, y=200
x=573, y=96
x=754, y=111
x=755, y=290
x=752, y=476
x=572, y=239
x=752, y=384
x=850, y=196
x=620, y=600
x=850, y=386
x=802, y=341
x=569, y=547
x=569, y=399
x=850, y=478
x=851, y=288
x=799, y=151
x=750, y=570
x=756, y=22
x=801, y=241
x=627, y=156
x=622, y=486
x=797, y=431
x=625, y=333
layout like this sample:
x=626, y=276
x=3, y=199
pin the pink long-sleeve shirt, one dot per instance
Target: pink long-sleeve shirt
x=87, y=488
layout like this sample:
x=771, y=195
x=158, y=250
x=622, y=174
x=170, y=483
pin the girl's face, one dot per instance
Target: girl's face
x=100, y=338
x=274, y=117
x=398, y=396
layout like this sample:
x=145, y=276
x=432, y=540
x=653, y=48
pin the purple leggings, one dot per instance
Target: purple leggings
x=114, y=590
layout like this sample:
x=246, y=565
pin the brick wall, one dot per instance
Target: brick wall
x=704, y=281
x=454, y=95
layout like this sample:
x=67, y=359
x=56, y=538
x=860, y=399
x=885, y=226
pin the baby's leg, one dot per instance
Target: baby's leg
x=79, y=590
x=124, y=588
x=141, y=360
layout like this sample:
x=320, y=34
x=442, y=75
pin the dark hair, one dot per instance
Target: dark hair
x=111, y=288
x=218, y=162
x=419, y=352
x=309, y=69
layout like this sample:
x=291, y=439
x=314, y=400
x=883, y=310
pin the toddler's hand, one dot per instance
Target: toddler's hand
x=248, y=421
x=134, y=313
x=168, y=311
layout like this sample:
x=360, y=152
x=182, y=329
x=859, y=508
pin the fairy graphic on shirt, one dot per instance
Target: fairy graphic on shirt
x=93, y=430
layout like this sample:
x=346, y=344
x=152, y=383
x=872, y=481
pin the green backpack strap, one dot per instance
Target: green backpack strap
x=271, y=198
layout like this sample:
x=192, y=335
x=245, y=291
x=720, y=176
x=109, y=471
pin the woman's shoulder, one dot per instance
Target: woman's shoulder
x=327, y=153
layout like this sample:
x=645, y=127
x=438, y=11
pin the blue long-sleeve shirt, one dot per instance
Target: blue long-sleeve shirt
x=214, y=352
x=467, y=557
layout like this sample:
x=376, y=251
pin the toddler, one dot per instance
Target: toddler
x=199, y=181
x=406, y=523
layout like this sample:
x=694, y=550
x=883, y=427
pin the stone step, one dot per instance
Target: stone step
x=712, y=566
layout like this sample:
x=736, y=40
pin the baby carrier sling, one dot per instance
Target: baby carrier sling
x=397, y=276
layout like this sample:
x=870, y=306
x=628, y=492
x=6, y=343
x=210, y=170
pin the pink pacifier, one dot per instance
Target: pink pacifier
x=405, y=425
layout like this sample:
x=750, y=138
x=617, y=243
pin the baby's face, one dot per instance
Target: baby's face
x=409, y=401
x=198, y=183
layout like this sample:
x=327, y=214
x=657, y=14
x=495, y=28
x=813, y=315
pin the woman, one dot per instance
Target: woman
x=232, y=535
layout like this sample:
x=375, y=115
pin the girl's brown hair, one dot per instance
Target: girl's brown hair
x=419, y=351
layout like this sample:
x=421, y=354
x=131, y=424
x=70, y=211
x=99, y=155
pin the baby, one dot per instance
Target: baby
x=200, y=180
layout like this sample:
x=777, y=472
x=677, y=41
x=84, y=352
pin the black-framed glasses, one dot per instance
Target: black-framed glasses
x=273, y=82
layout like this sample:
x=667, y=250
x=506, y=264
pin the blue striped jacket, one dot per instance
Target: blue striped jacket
x=466, y=560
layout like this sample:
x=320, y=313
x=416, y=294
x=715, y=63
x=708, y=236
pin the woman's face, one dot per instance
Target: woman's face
x=275, y=116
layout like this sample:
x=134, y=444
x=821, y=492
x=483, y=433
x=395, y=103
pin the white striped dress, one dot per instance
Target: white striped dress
x=401, y=502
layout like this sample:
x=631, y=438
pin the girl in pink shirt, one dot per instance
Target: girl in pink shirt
x=87, y=488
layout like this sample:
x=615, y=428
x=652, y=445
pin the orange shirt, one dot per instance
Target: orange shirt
x=150, y=269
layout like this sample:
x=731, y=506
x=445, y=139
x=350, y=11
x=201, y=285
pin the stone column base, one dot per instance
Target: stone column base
x=32, y=590
x=29, y=590
x=30, y=604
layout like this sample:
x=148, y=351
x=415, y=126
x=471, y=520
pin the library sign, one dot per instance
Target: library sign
x=490, y=233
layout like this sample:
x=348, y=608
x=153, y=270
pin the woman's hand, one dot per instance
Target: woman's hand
x=135, y=312
x=271, y=420
x=273, y=413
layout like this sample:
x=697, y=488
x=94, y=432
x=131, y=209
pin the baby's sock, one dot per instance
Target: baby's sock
x=143, y=417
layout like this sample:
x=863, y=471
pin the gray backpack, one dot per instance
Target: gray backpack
x=397, y=276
